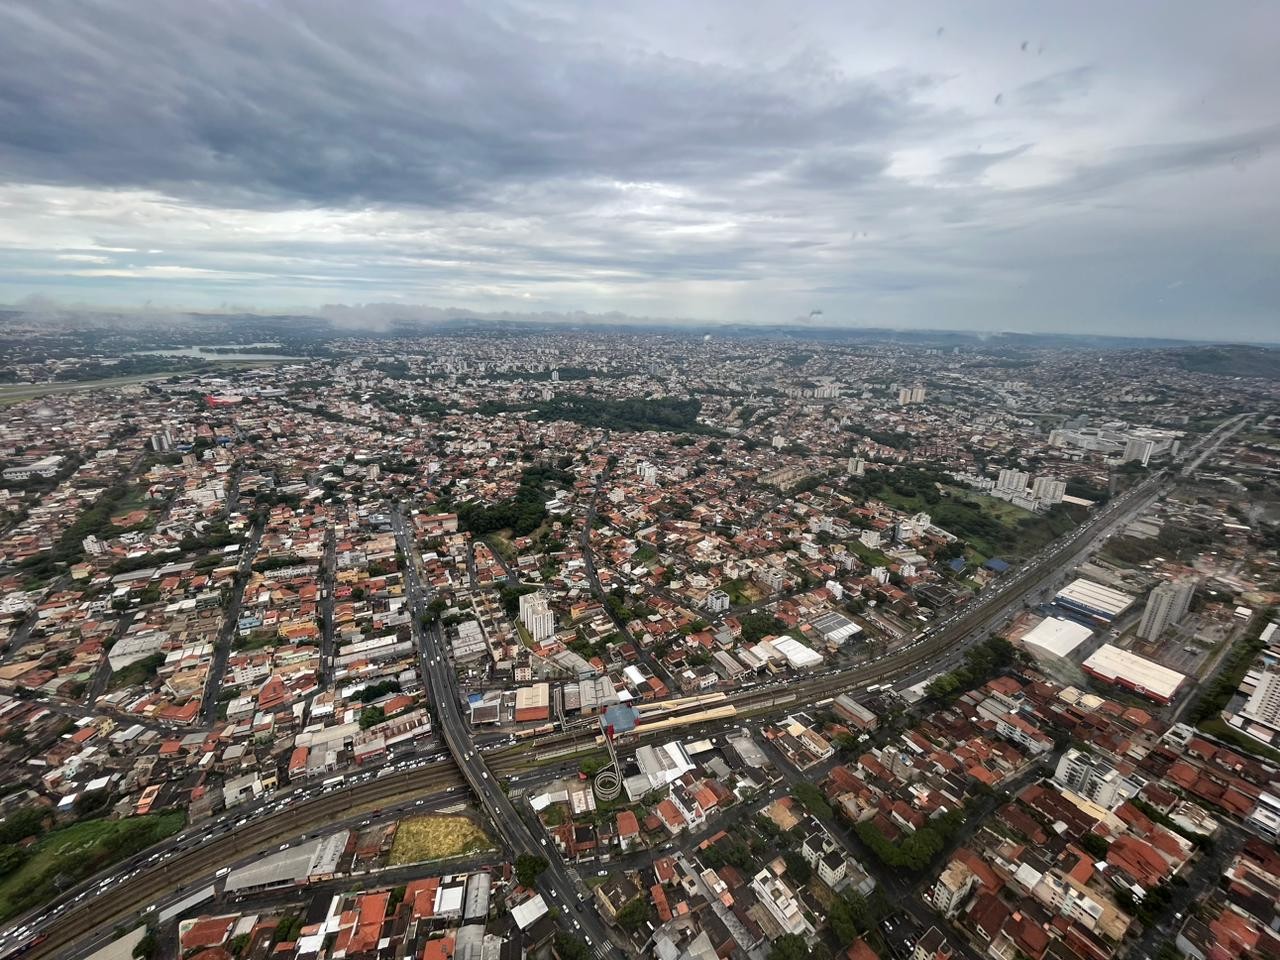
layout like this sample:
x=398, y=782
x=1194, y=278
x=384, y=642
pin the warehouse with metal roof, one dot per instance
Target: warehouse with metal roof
x=1055, y=637
x=1093, y=600
x=1126, y=669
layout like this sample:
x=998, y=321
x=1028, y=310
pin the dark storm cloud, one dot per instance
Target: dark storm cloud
x=713, y=159
x=248, y=104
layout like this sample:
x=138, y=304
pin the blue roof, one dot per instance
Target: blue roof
x=956, y=564
x=996, y=564
x=621, y=717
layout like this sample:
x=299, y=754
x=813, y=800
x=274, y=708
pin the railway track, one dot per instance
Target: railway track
x=133, y=895
x=887, y=669
x=128, y=898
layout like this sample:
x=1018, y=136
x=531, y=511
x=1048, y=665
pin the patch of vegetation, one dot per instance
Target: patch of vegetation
x=377, y=690
x=1217, y=693
x=137, y=674
x=522, y=514
x=529, y=868
x=981, y=663
x=1231, y=361
x=757, y=626
x=916, y=850
x=633, y=916
x=991, y=526
x=631, y=415
x=435, y=838
x=812, y=799
x=67, y=855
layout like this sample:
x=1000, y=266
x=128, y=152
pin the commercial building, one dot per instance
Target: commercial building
x=1166, y=606
x=1093, y=600
x=533, y=703
x=470, y=643
x=45, y=468
x=1144, y=677
x=835, y=628
x=854, y=713
x=1055, y=637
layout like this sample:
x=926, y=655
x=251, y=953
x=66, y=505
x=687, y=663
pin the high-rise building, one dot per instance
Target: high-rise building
x=1012, y=481
x=857, y=466
x=537, y=617
x=1263, y=705
x=1094, y=779
x=1049, y=489
x=1167, y=604
x=1138, y=449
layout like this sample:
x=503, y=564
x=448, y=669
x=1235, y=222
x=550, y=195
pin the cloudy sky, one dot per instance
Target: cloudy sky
x=1072, y=166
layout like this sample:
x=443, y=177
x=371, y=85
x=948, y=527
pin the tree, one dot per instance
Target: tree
x=528, y=868
x=632, y=917
x=812, y=799
x=371, y=716
x=797, y=867
x=789, y=946
x=570, y=948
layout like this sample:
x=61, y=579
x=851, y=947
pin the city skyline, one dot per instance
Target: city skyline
x=1016, y=170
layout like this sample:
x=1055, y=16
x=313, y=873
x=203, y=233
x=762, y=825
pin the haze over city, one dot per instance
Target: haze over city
x=1079, y=168
x=681, y=481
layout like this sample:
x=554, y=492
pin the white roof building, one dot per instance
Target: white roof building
x=1138, y=674
x=1056, y=637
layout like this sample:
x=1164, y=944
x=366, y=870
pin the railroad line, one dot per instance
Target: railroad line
x=126, y=899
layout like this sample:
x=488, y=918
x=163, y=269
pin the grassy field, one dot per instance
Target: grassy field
x=435, y=838
x=69, y=854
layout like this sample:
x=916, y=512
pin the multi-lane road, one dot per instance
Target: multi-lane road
x=194, y=854
x=555, y=883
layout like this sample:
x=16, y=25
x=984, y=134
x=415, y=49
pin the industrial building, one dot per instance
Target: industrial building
x=533, y=703
x=1093, y=600
x=1055, y=637
x=1145, y=677
x=835, y=628
x=854, y=713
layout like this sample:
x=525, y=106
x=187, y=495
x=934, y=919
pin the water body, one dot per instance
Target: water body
x=219, y=351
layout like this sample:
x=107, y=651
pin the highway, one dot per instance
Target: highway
x=554, y=884
x=197, y=851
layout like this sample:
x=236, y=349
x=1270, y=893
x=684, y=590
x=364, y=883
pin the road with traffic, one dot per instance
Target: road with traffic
x=201, y=848
x=554, y=883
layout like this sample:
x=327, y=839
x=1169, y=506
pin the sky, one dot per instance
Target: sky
x=1070, y=167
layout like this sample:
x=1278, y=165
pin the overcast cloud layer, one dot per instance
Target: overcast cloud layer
x=1071, y=167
